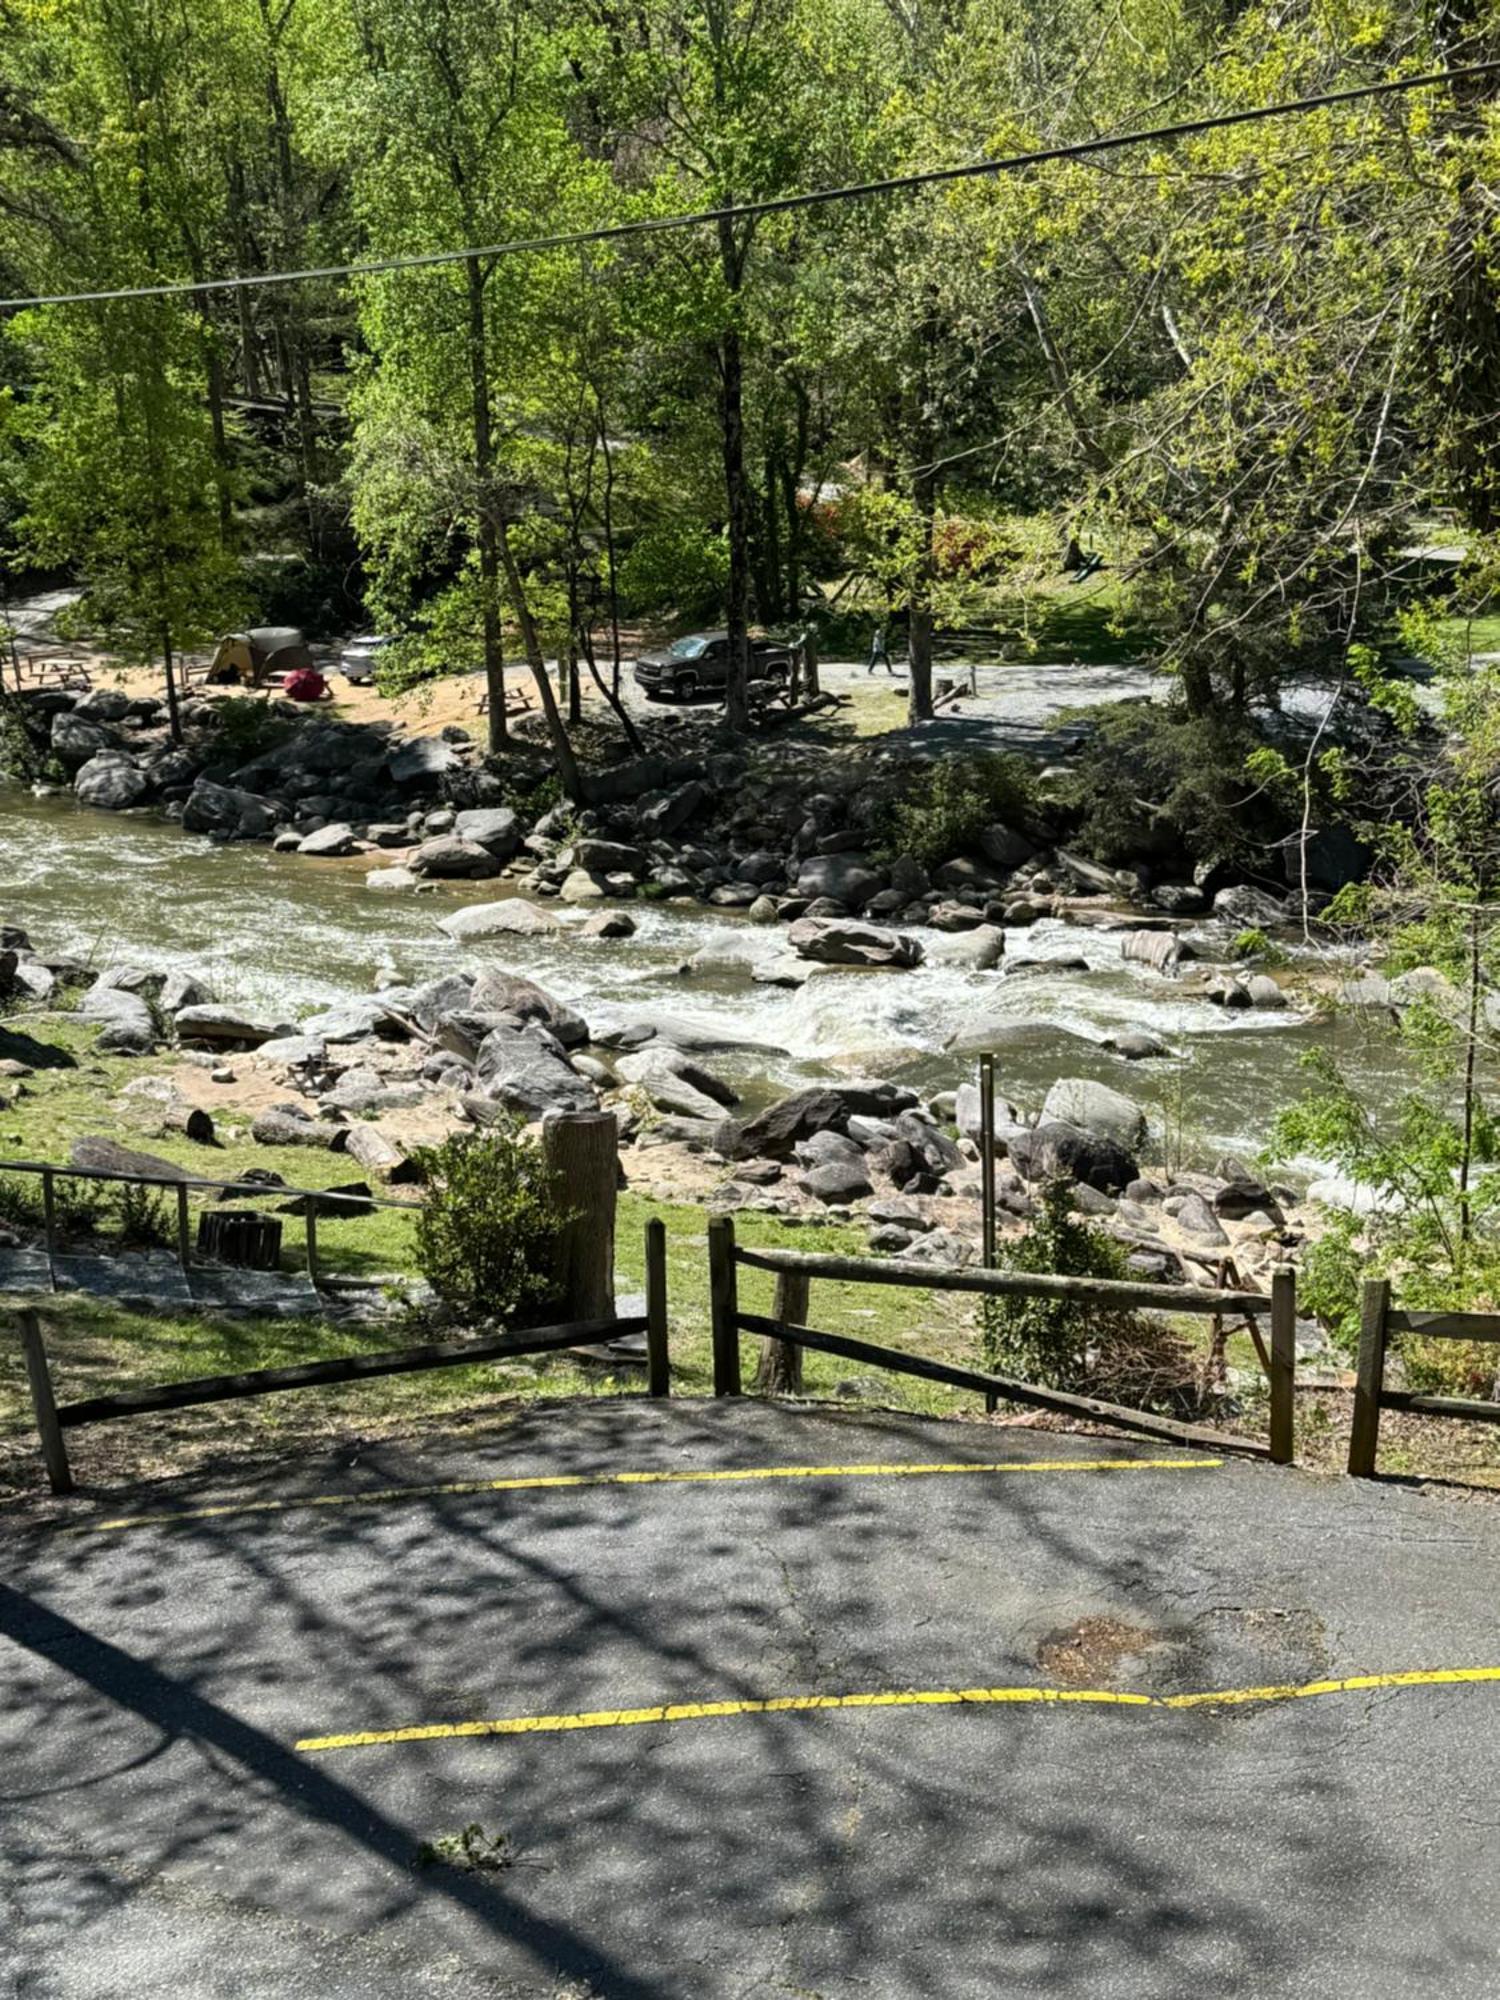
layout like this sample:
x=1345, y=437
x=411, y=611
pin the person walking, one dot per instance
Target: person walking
x=879, y=657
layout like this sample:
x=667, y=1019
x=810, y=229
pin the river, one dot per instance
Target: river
x=286, y=935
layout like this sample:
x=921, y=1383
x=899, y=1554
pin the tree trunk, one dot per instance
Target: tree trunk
x=174, y=716
x=609, y=556
x=919, y=645
x=487, y=538
x=582, y=1149
x=737, y=606
x=213, y=366
x=557, y=731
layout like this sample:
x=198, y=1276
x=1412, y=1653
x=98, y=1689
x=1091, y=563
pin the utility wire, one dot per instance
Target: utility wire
x=773, y=205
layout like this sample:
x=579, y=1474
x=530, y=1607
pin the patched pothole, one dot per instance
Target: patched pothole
x=1090, y=1651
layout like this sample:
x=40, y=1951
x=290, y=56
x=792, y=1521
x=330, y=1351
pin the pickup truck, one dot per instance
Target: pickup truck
x=699, y=664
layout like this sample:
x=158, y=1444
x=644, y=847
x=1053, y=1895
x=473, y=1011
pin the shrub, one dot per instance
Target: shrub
x=487, y=1235
x=677, y=566
x=1328, y=1283
x=74, y=1209
x=143, y=1217
x=245, y=728
x=1061, y=1345
x=944, y=807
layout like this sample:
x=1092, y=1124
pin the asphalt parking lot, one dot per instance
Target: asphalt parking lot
x=849, y=1706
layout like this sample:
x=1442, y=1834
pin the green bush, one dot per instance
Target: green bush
x=487, y=1236
x=1061, y=1345
x=245, y=728
x=143, y=1216
x=75, y=1210
x=943, y=808
x=1329, y=1280
x=677, y=566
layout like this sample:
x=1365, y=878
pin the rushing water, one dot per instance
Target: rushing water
x=287, y=935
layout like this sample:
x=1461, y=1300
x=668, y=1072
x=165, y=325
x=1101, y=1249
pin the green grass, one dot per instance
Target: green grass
x=97, y=1348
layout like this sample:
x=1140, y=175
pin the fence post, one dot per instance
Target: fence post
x=1283, y=1366
x=658, y=1367
x=49, y=1223
x=312, y=1241
x=582, y=1149
x=184, y=1240
x=1364, y=1433
x=49, y=1430
x=724, y=1305
x=987, y=1159
x=779, y=1372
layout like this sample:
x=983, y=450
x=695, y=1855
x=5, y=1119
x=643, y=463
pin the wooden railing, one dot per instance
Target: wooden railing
x=797, y=1269
x=1377, y=1323
x=53, y=1419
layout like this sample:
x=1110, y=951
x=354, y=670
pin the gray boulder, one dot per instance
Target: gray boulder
x=580, y=886
x=495, y=828
x=849, y=879
x=330, y=842
x=976, y=950
x=1003, y=847
x=665, y=813
x=76, y=740
x=515, y=917
x=838, y=941
x=520, y=1072
x=1161, y=950
x=426, y=1005
x=422, y=761
x=508, y=993
x=839, y=1181
x=103, y=704
x=1094, y=1107
x=1081, y=1156
x=447, y=859
x=352, y=1020
x=129, y=1025
x=776, y=1131
x=111, y=781
x=289, y=1125
x=218, y=1027
x=608, y=857
x=1249, y=909
x=223, y=811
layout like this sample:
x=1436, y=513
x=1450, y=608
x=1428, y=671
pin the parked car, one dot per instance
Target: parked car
x=699, y=664
x=358, y=660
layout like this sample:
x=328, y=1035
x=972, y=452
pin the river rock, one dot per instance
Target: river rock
x=1161, y=950
x=839, y=941
x=422, y=761
x=76, y=740
x=1094, y=1107
x=1264, y=992
x=839, y=1182
x=608, y=924
x=775, y=1132
x=353, y=1019
x=111, y=781
x=660, y=1058
x=977, y=950
x=1195, y=1218
x=329, y=843
x=494, y=828
x=390, y=878
x=667, y=1090
x=514, y=917
x=520, y=1072
x=607, y=857
x=380, y=1155
x=1248, y=908
x=1082, y=1156
x=103, y=704
x=129, y=1026
x=522, y=999
x=427, y=1004
x=968, y=1109
x=1136, y=1045
x=849, y=879
x=447, y=859
x=294, y=1051
x=223, y=811
x=579, y=886
x=1003, y=847
x=106, y=1156
x=217, y=1027
x=289, y=1125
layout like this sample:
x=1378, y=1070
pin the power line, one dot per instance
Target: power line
x=773, y=205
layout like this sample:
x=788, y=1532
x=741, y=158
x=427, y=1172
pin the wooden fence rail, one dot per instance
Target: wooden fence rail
x=726, y=1260
x=1377, y=1323
x=54, y=1418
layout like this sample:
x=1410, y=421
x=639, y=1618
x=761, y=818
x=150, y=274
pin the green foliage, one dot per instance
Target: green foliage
x=1329, y=1280
x=1053, y=1342
x=1155, y=781
x=942, y=809
x=246, y=728
x=75, y=1208
x=486, y=1239
x=144, y=1220
x=675, y=567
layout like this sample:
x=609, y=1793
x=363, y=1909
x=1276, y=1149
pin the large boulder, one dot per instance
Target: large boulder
x=608, y=857
x=448, y=858
x=508, y=993
x=664, y=813
x=1094, y=1107
x=839, y=1181
x=1161, y=950
x=129, y=1025
x=426, y=1005
x=518, y=1070
x=353, y=1019
x=581, y=886
x=775, y=1132
x=229, y=814
x=850, y=879
x=977, y=950
x=76, y=740
x=673, y=1082
x=1055, y=1149
x=422, y=762
x=515, y=917
x=219, y=1027
x=103, y=704
x=1003, y=847
x=1249, y=909
x=839, y=941
x=98, y=1155
x=330, y=843
x=494, y=828
x=111, y=781
x=290, y=1125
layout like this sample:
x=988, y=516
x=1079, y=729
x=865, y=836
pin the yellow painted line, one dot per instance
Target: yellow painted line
x=801, y=1704
x=555, y=1481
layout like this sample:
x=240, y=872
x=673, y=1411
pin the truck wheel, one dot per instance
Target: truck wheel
x=686, y=686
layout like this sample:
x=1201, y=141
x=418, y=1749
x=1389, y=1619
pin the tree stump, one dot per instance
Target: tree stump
x=582, y=1148
x=779, y=1371
x=240, y=1236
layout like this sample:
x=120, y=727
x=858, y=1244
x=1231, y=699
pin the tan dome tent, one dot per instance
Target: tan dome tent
x=250, y=657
